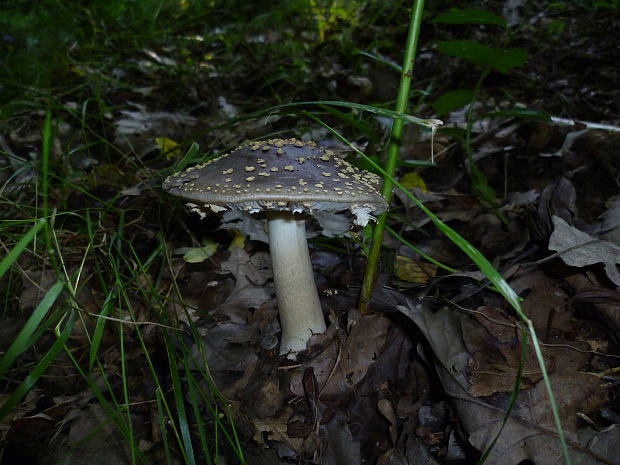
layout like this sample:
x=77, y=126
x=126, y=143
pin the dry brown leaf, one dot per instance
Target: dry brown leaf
x=413, y=271
x=546, y=301
x=577, y=248
x=338, y=371
x=529, y=433
x=495, y=348
x=250, y=272
x=275, y=429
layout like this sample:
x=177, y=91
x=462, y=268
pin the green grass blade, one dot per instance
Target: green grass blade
x=162, y=425
x=429, y=123
x=99, y=329
x=188, y=157
x=380, y=59
x=125, y=391
x=177, y=389
x=353, y=122
x=39, y=369
x=425, y=256
x=17, y=250
x=396, y=115
x=192, y=388
x=45, y=158
x=23, y=339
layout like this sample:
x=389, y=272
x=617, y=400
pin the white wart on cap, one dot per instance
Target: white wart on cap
x=279, y=175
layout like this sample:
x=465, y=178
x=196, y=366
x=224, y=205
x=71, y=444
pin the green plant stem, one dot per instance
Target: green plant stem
x=45, y=155
x=402, y=101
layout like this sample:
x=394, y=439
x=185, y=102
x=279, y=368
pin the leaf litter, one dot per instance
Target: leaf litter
x=426, y=379
x=367, y=387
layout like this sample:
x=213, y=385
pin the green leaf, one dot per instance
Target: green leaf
x=200, y=254
x=471, y=51
x=189, y=157
x=510, y=58
x=468, y=16
x=502, y=60
x=452, y=100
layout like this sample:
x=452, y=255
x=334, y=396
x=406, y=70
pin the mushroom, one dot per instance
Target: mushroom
x=288, y=180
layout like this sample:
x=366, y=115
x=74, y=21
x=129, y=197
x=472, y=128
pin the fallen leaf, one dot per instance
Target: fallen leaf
x=200, y=254
x=588, y=288
x=338, y=371
x=169, y=147
x=137, y=130
x=412, y=271
x=546, y=302
x=275, y=429
x=413, y=179
x=88, y=438
x=250, y=272
x=529, y=432
x=579, y=249
x=246, y=224
x=333, y=224
x=342, y=447
x=610, y=222
x=238, y=240
x=385, y=407
x=556, y=199
x=495, y=347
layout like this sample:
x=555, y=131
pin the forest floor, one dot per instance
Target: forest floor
x=160, y=344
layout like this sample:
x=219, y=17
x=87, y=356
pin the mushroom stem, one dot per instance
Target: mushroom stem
x=298, y=300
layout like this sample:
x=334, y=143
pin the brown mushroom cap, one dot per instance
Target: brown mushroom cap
x=279, y=175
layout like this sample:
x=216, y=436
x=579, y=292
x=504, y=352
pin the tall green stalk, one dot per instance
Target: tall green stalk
x=402, y=100
x=45, y=158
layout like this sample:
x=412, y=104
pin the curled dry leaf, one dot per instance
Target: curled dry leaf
x=579, y=249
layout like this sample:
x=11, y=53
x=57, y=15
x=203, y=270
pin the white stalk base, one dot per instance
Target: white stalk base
x=298, y=300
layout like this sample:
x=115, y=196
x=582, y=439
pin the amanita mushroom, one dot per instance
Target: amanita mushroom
x=288, y=180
